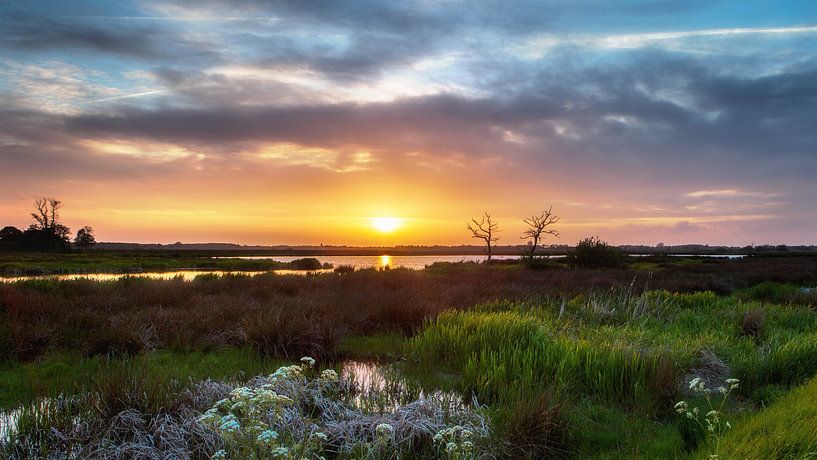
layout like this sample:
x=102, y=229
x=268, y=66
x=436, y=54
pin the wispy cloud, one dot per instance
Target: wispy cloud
x=540, y=44
x=728, y=193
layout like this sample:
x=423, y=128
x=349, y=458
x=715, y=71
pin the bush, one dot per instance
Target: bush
x=591, y=252
x=753, y=324
x=308, y=263
x=537, y=262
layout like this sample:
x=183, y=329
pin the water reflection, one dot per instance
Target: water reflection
x=8, y=423
x=383, y=387
x=185, y=275
x=384, y=262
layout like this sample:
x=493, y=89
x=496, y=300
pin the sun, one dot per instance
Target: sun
x=386, y=224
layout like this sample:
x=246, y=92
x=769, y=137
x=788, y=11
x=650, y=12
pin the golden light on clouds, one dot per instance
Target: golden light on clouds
x=146, y=150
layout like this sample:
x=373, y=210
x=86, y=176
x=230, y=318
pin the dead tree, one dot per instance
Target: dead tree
x=46, y=213
x=485, y=230
x=538, y=226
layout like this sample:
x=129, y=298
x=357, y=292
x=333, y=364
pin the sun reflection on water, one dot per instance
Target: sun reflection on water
x=384, y=263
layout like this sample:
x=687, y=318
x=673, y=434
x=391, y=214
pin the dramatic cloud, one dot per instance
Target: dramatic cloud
x=640, y=121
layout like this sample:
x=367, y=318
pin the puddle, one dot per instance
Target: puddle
x=382, y=388
x=368, y=375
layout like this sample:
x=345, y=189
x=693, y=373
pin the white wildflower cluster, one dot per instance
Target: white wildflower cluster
x=329, y=375
x=298, y=412
x=242, y=418
x=711, y=422
x=385, y=433
x=455, y=442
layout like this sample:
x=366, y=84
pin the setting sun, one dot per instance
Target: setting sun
x=386, y=224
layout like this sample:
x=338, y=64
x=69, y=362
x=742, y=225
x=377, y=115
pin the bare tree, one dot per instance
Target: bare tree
x=46, y=212
x=485, y=230
x=538, y=226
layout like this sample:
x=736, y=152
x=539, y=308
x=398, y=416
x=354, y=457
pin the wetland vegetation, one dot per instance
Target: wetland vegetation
x=537, y=359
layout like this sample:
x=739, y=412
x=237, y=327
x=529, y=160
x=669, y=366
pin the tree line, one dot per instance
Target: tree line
x=46, y=233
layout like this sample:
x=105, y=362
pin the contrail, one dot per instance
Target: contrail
x=128, y=96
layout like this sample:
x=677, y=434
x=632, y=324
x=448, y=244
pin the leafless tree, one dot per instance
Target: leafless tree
x=46, y=212
x=485, y=230
x=538, y=226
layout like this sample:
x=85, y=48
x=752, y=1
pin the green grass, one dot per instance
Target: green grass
x=382, y=346
x=786, y=430
x=21, y=383
x=618, y=358
x=606, y=432
x=26, y=263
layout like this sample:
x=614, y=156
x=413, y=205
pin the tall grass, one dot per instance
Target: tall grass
x=618, y=347
x=785, y=430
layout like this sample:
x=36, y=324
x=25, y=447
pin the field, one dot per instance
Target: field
x=512, y=362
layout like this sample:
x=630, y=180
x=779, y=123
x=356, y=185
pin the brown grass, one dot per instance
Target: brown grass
x=294, y=315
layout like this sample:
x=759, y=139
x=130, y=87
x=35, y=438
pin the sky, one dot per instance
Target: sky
x=267, y=122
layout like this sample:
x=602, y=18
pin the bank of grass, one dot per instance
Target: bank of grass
x=28, y=263
x=66, y=374
x=785, y=430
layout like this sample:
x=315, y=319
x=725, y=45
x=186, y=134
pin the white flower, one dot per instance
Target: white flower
x=384, y=430
x=329, y=374
x=229, y=424
x=732, y=381
x=308, y=361
x=267, y=437
x=279, y=452
x=219, y=455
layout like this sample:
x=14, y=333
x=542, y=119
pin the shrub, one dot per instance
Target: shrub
x=537, y=262
x=753, y=324
x=308, y=263
x=591, y=252
x=343, y=269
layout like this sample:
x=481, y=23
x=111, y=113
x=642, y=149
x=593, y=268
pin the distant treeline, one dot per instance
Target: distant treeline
x=554, y=249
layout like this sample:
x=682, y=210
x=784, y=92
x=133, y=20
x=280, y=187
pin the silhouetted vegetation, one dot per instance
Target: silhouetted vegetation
x=47, y=233
x=591, y=252
x=538, y=226
x=485, y=230
x=85, y=238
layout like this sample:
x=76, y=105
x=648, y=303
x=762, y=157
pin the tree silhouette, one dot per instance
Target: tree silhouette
x=85, y=238
x=538, y=226
x=46, y=212
x=46, y=233
x=10, y=234
x=484, y=230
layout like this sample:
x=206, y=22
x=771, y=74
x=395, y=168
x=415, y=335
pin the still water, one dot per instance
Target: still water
x=358, y=262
